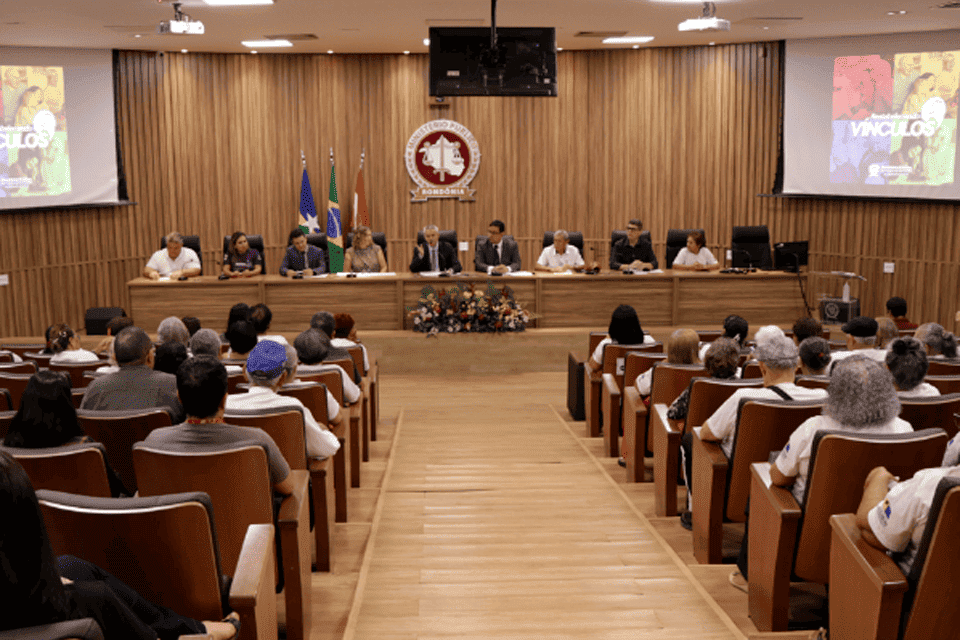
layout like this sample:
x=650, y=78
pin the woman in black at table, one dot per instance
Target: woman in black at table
x=36, y=588
x=240, y=260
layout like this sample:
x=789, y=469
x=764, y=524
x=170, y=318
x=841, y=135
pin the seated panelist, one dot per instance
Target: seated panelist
x=634, y=251
x=364, y=256
x=561, y=256
x=241, y=260
x=173, y=262
x=434, y=255
x=497, y=253
x=301, y=256
x=695, y=256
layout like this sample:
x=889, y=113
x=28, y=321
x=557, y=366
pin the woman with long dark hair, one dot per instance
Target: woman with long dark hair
x=241, y=260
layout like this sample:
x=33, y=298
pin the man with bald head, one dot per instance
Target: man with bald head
x=136, y=385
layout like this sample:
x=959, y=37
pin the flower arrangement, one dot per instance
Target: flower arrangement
x=463, y=308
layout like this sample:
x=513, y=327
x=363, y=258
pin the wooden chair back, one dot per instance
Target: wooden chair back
x=945, y=384
x=76, y=396
x=118, y=431
x=15, y=383
x=943, y=367
x=40, y=358
x=669, y=380
x=936, y=564
x=78, y=468
x=615, y=361
x=708, y=335
x=707, y=394
x=21, y=349
x=313, y=395
x=813, y=382
x=27, y=366
x=234, y=381
x=839, y=464
x=638, y=362
x=165, y=548
x=356, y=353
x=334, y=383
x=6, y=417
x=931, y=412
x=6, y=401
x=237, y=481
x=76, y=371
x=763, y=426
x=594, y=340
x=285, y=426
x=751, y=370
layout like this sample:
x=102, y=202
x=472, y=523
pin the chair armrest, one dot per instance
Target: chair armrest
x=252, y=590
x=353, y=418
x=634, y=444
x=709, y=489
x=293, y=525
x=290, y=506
x=774, y=521
x=666, y=461
x=610, y=403
x=866, y=586
x=592, y=381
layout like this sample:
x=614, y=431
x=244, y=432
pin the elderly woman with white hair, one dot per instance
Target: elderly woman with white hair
x=172, y=329
x=205, y=342
x=907, y=362
x=940, y=343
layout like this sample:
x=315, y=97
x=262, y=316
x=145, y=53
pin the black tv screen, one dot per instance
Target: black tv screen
x=462, y=62
x=790, y=256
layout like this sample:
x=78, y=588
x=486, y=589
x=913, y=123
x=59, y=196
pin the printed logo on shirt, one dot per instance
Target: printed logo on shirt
x=885, y=512
x=787, y=450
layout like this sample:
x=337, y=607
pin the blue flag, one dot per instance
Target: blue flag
x=308, y=212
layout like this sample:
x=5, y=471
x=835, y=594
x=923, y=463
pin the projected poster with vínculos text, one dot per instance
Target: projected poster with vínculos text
x=33, y=136
x=873, y=116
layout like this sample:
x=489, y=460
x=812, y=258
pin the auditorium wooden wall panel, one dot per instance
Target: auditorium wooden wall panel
x=683, y=137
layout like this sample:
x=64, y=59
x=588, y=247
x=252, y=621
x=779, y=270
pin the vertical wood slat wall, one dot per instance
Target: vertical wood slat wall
x=681, y=137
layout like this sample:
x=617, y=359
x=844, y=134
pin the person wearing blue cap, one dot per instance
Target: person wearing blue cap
x=270, y=365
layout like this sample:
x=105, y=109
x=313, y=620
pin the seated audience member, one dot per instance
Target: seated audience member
x=433, y=255
x=886, y=332
x=364, y=256
x=114, y=326
x=238, y=312
x=345, y=336
x=497, y=253
x=269, y=366
x=46, y=341
x=191, y=323
x=169, y=356
x=172, y=329
x=806, y=328
x=261, y=317
x=243, y=338
x=205, y=342
x=695, y=256
x=312, y=347
x=173, y=262
x=720, y=361
x=907, y=362
x=325, y=322
x=681, y=348
x=202, y=385
x=633, y=252
x=940, y=344
x=302, y=257
x=46, y=418
x=561, y=256
x=624, y=329
x=893, y=515
x=736, y=328
x=136, y=385
x=861, y=398
x=38, y=588
x=66, y=349
x=897, y=311
x=861, y=333
x=241, y=260
x=814, y=356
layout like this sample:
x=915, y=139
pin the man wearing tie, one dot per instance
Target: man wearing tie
x=434, y=255
x=497, y=253
x=302, y=257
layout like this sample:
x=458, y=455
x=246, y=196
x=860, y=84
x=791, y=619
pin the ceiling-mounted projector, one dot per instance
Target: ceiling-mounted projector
x=181, y=24
x=707, y=22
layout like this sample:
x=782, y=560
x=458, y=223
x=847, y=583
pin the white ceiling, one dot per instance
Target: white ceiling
x=375, y=26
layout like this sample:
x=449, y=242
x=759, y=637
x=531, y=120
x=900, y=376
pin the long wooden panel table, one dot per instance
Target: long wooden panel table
x=378, y=303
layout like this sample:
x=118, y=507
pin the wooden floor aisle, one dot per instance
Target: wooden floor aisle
x=495, y=522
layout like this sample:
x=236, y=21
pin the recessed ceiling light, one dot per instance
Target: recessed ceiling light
x=263, y=44
x=235, y=3
x=636, y=46
x=766, y=28
x=712, y=43
x=559, y=48
x=137, y=35
x=254, y=51
x=628, y=40
x=426, y=42
x=183, y=51
x=406, y=53
x=896, y=13
x=330, y=51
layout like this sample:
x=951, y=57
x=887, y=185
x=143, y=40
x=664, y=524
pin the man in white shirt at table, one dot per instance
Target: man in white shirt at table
x=174, y=262
x=561, y=256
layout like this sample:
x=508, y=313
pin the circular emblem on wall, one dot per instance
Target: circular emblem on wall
x=442, y=157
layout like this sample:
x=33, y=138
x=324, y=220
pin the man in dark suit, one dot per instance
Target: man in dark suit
x=434, y=255
x=633, y=252
x=497, y=253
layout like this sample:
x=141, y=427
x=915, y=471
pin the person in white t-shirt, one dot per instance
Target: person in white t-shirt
x=907, y=361
x=561, y=256
x=695, y=256
x=66, y=347
x=624, y=329
x=861, y=334
x=173, y=262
